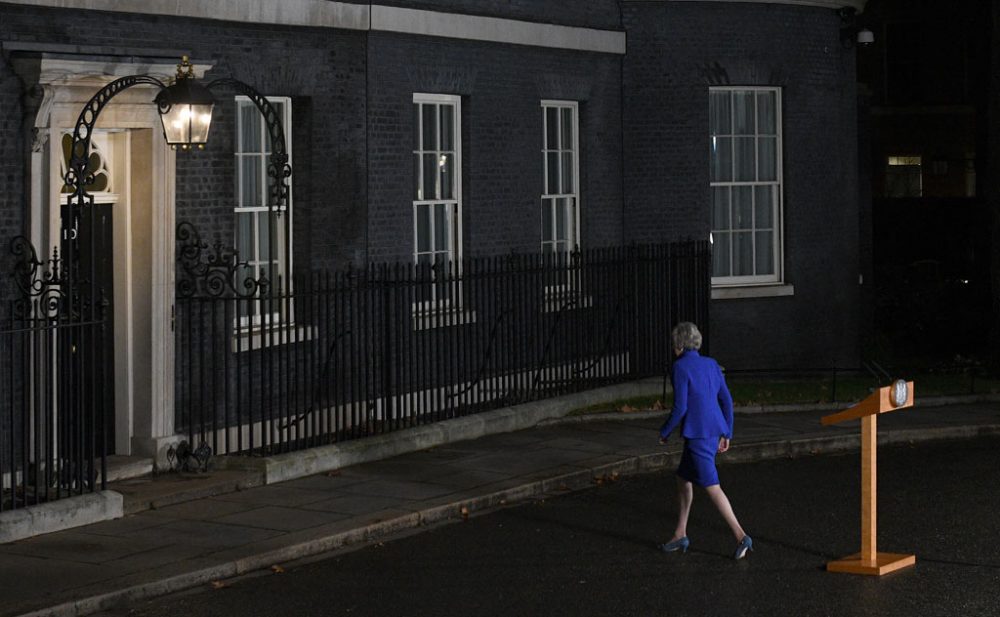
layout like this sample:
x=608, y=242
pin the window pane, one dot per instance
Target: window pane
x=764, y=206
x=442, y=228
x=720, y=253
x=743, y=113
x=418, y=192
x=721, y=159
x=561, y=229
x=766, y=113
x=720, y=207
x=765, y=252
x=743, y=253
x=430, y=176
x=745, y=159
x=742, y=207
x=445, y=164
x=264, y=239
x=553, y=171
x=447, y=127
x=429, y=140
x=250, y=181
x=551, y=128
x=568, y=180
x=767, y=168
x=567, y=129
x=250, y=127
x=423, y=229
x=244, y=237
x=547, y=205
x=720, y=113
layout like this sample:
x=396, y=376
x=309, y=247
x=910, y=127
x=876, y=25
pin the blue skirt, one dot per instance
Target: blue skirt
x=698, y=461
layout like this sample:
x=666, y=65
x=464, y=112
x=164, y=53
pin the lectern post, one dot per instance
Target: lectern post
x=869, y=560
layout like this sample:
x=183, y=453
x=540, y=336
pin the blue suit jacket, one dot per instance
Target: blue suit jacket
x=703, y=406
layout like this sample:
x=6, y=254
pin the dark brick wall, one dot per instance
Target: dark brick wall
x=501, y=88
x=323, y=70
x=676, y=50
x=14, y=146
x=581, y=13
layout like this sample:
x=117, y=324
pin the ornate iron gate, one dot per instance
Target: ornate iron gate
x=56, y=375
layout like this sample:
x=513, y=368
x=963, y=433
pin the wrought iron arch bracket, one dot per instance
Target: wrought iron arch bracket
x=77, y=176
x=278, y=168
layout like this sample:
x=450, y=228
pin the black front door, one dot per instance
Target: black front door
x=93, y=251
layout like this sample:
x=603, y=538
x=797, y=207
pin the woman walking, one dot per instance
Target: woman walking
x=703, y=409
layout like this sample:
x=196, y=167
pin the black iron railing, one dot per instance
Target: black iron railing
x=54, y=382
x=343, y=355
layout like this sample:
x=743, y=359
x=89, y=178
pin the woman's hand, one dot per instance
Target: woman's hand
x=723, y=444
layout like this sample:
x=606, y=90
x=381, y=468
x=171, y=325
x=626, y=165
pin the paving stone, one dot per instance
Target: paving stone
x=202, y=534
x=275, y=495
x=202, y=509
x=281, y=519
x=355, y=504
x=80, y=547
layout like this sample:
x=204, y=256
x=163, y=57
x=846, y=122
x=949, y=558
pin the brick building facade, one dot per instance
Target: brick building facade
x=630, y=80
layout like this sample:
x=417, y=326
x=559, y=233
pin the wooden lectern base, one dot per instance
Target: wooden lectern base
x=883, y=564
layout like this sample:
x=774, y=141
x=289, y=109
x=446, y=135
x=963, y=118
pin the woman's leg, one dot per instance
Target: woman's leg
x=685, y=495
x=725, y=509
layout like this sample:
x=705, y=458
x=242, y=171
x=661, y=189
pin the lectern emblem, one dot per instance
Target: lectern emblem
x=899, y=393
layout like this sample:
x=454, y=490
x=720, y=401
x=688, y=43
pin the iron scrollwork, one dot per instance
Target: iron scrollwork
x=40, y=282
x=212, y=270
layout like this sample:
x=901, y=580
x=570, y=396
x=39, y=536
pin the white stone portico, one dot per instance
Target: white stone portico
x=142, y=190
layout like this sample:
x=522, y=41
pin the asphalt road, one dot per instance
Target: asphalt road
x=592, y=552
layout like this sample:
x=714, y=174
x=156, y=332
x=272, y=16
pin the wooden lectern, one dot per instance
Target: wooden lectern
x=869, y=560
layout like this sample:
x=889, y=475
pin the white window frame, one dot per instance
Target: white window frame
x=454, y=204
x=573, y=239
x=247, y=323
x=778, y=254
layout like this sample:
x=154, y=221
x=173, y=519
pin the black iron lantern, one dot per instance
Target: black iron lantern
x=185, y=109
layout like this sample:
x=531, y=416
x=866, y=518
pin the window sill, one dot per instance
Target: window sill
x=442, y=318
x=755, y=291
x=278, y=334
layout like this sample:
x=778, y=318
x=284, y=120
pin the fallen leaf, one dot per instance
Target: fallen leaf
x=658, y=405
x=598, y=480
x=332, y=474
x=465, y=513
x=627, y=409
x=219, y=584
x=277, y=569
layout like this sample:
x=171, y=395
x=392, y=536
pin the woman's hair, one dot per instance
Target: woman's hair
x=685, y=335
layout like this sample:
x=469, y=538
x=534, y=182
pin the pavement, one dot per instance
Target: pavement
x=221, y=525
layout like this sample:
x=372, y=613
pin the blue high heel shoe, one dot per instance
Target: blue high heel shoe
x=680, y=544
x=745, y=546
